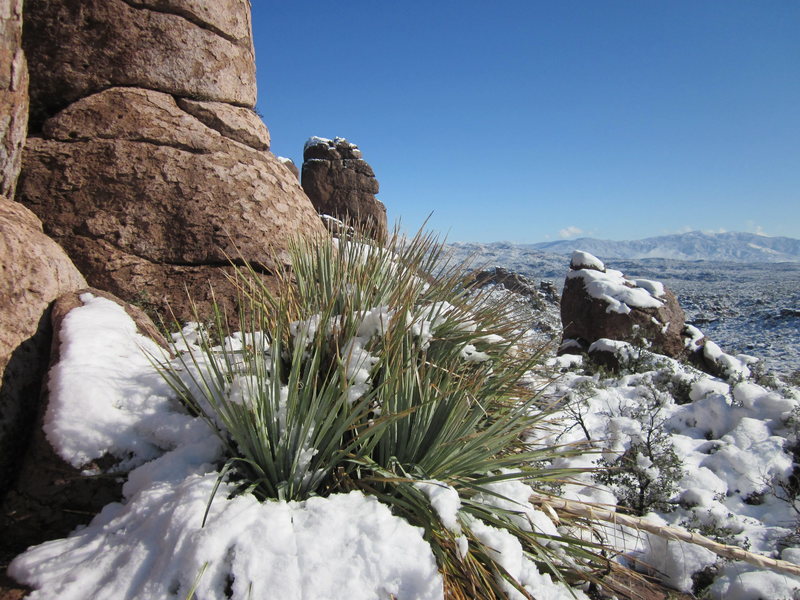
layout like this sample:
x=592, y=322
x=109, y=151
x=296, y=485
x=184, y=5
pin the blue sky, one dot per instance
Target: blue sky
x=530, y=121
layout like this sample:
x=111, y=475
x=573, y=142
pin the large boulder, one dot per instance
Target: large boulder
x=34, y=271
x=599, y=303
x=190, y=48
x=341, y=184
x=149, y=200
x=51, y=497
x=13, y=95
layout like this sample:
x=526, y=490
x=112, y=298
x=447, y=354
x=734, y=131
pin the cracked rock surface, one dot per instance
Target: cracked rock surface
x=147, y=199
x=190, y=48
x=227, y=18
x=13, y=95
x=235, y=122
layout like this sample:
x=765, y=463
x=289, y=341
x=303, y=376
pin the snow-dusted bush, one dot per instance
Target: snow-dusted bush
x=368, y=373
x=729, y=470
x=645, y=475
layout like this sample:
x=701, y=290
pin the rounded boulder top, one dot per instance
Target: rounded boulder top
x=323, y=148
x=584, y=260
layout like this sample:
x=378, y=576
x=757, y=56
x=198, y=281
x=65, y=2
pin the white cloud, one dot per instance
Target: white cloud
x=689, y=229
x=753, y=227
x=570, y=231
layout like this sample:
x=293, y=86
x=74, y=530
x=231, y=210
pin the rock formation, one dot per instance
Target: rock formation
x=709, y=357
x=517, y=283
x=149, y=165
x=13, y=95
x=602, y=303
x=289, y=164
x=341, y=184
x=34, y=271
x=534, y=308
x=189, y=48
x=51, y=497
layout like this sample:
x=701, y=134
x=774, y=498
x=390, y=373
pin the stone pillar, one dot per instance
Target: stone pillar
x=147, y=162
x=341, y=184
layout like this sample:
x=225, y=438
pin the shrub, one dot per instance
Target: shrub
x=645, y=475
x=376, y=368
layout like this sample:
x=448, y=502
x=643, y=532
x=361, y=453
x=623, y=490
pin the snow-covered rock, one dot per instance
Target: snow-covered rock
x=598, y=302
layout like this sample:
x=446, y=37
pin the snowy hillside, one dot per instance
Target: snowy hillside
x=695, y=245
x=745, y=307
x=688, y=450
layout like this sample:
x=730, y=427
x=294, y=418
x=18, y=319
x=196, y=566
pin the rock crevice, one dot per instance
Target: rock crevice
x=178, y=8
x=76, y=49
x=236, y=123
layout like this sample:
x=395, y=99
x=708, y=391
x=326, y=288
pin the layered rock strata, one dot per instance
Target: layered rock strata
x=340, y=183
x=189, y=48
x=149, y=199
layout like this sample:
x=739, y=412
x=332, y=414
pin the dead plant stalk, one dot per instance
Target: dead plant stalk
x=597, y=513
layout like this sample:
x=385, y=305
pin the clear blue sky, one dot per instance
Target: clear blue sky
x=528, y=121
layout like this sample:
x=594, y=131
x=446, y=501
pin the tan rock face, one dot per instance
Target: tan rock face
x=34, y=271
x=289, y=164
x=234, y=122
x=138, y=190
x=191, y=48
x=13, y=95
x=341, y=184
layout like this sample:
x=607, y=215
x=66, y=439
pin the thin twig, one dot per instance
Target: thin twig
x=597, y=513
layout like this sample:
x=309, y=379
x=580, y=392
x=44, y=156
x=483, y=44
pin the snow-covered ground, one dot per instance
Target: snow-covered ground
x=691, y=451
x=106, y=398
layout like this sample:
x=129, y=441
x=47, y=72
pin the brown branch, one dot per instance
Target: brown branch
x=599, y=513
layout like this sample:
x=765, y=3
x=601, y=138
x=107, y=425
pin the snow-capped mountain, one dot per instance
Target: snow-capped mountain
x=695, y=245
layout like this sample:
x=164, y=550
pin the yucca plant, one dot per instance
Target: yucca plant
x=376, y=368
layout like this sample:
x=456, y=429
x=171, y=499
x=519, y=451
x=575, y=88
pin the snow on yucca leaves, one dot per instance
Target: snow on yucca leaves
x=364, y=436
x=375, y=369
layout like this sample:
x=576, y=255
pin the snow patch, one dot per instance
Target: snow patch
x=105, y=396
x=619, y=293
x=584, y=260
x=445, y=501
x=345, y=546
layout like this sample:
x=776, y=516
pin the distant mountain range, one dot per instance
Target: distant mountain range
x=692, y=246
